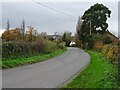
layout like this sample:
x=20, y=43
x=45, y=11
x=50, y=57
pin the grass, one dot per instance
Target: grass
x=28, y=60
x=99, y=74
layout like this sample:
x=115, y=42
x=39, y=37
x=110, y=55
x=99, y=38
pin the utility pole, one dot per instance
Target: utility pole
x=90, y=27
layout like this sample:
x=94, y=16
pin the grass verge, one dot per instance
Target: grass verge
x=28, y=60
x=99, y=74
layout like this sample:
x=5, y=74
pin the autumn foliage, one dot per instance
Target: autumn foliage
x=10, y=35
x=111, y=52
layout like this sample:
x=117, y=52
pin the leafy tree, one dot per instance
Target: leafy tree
x=94, y=21
x=11, y=35
x=64, y=37
x=67, y=38
x=90, y=41
x=6, y=35
x=31, y=34
x=97, y=15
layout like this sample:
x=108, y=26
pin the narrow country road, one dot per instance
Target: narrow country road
x=47, y=74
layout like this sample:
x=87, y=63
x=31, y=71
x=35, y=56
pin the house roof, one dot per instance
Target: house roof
x=112, y=35
x=51, y=36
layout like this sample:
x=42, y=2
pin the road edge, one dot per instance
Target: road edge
x=75, y=75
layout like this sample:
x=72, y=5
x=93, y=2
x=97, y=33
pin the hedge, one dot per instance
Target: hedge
x=111, y=52
x=18, y=49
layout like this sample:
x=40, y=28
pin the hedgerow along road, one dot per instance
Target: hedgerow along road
x=47, y=74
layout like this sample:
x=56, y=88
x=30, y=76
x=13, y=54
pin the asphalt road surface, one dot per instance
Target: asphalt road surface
x=47, y=74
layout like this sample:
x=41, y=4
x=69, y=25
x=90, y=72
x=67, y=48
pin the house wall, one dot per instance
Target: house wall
x=98, y=44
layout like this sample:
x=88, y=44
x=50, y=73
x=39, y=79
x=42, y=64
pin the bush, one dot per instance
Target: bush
x=105, y=49
x=106, y=40
x=50, y=46
x=17, y=49
x=61, y=46
x=25, y=49
x=113, y=55
x=111, y=52
x=118, y=69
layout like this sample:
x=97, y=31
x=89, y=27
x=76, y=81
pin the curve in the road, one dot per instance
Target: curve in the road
x=47, y=74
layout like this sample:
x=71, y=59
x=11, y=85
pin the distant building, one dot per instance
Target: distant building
x=55, y=37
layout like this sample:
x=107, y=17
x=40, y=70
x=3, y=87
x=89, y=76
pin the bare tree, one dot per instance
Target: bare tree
x=78, y=29
x=79, y=24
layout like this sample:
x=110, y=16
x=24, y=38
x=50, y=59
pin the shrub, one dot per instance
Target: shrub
x=119, y=68
x=105, y=49
x=50, y=46
x=61, y=46
x=14, y=49
x=17, y=49
x=106, y=40
x=99, y=49
x=111, y=52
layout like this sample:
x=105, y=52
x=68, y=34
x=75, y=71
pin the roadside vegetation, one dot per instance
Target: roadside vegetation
x=9, y=63
x=20, y=47
x=99, y=74
x=103, y=47
x=20, y=53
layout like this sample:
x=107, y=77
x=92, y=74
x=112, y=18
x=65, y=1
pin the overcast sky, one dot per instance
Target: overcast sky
x=47, y=20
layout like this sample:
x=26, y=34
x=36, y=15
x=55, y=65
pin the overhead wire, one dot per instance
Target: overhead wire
x=54, y=9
